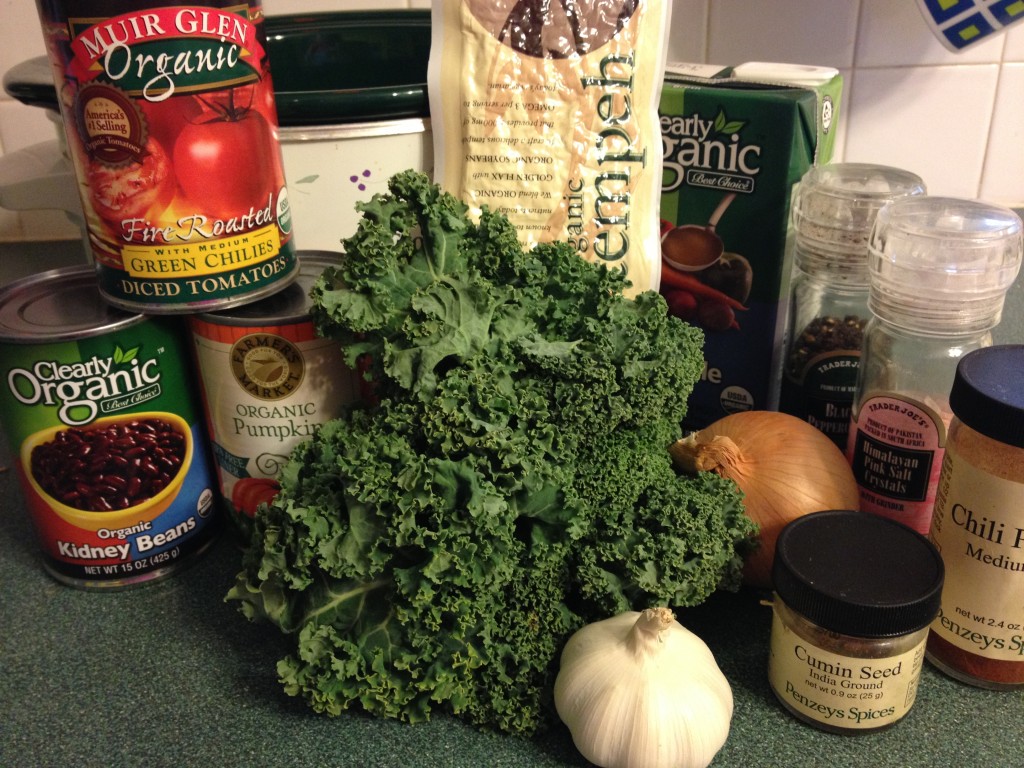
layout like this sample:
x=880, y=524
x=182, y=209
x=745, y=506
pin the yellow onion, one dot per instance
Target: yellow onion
x=785, y=468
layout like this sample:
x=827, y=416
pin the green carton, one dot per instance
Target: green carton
x=736, y=141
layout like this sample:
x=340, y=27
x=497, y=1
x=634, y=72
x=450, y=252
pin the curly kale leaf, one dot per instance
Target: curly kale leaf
x=435, y=550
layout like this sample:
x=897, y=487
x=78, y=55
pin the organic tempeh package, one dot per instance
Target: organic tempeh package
x=547, y=111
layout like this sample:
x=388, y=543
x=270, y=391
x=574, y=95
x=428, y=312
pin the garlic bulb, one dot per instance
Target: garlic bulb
x=639, y=690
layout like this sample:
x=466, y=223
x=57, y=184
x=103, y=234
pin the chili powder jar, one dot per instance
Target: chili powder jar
x=978, y=524
x=855, y=594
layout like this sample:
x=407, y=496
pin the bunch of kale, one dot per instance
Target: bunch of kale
x=511, y=482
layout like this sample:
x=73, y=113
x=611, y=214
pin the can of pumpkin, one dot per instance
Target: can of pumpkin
x=107, y=435
x=171, y=126
x=268, y=382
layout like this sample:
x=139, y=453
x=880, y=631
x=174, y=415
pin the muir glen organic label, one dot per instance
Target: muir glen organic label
x=171, y=126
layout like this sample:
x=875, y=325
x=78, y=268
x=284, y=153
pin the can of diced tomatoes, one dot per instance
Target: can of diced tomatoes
x=106, y=431
x=268, y=382
x=171, y=126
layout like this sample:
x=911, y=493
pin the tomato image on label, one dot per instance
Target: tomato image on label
x=166, y=119
x=224, y=160
x=250, y=492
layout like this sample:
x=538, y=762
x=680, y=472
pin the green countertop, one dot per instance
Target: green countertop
x=168, y=674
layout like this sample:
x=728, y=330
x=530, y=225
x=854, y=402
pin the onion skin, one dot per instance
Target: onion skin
x=785, y=468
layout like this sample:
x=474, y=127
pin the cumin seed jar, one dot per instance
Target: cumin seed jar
x=855, y=594
x=978, y=524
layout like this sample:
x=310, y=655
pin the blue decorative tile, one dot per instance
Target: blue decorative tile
x=944, y=10
x=1007, y=11
x=967, y=31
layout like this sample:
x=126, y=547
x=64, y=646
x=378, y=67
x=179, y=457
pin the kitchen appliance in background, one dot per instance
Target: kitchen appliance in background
x=350, y=91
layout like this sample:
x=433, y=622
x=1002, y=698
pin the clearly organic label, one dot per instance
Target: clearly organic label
x=842, y=691
x=110, y=451
x=895, y=448
x=171, y=125
x=709, y=152
x=978, y=526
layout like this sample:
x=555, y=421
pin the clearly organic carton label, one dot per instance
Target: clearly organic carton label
x=732, y=152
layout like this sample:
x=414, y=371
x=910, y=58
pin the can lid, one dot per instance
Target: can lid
x=58, y=305
x=289, y=305
x=987, y=394
x=858, y=574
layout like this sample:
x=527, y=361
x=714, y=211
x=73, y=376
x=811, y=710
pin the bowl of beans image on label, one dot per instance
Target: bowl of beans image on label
x=101, y=410
x=117, y=473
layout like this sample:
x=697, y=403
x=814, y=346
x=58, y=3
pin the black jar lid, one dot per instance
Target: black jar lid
x=858, y=574
x=987, y=394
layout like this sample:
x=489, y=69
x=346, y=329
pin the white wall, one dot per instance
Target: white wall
x=955, y=119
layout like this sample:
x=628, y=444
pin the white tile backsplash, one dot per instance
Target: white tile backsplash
x=21, y=36
x=1002, y=176
x=894, y=119
x=22, y=126
x=317, y=6
x=956, y=119
x=895, y=34
x=1014, y=50
x=688, y=34
x=818, y=33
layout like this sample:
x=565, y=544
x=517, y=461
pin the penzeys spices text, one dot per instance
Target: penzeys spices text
x=848, y=641
x=978, y=524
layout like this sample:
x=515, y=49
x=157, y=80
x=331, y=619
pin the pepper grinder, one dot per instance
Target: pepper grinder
x=833, y=211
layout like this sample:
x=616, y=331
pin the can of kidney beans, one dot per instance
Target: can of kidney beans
x=171, y=126
x=268, y=382
x=106, y=431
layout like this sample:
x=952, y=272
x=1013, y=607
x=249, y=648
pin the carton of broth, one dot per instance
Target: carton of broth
x=736, y=141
